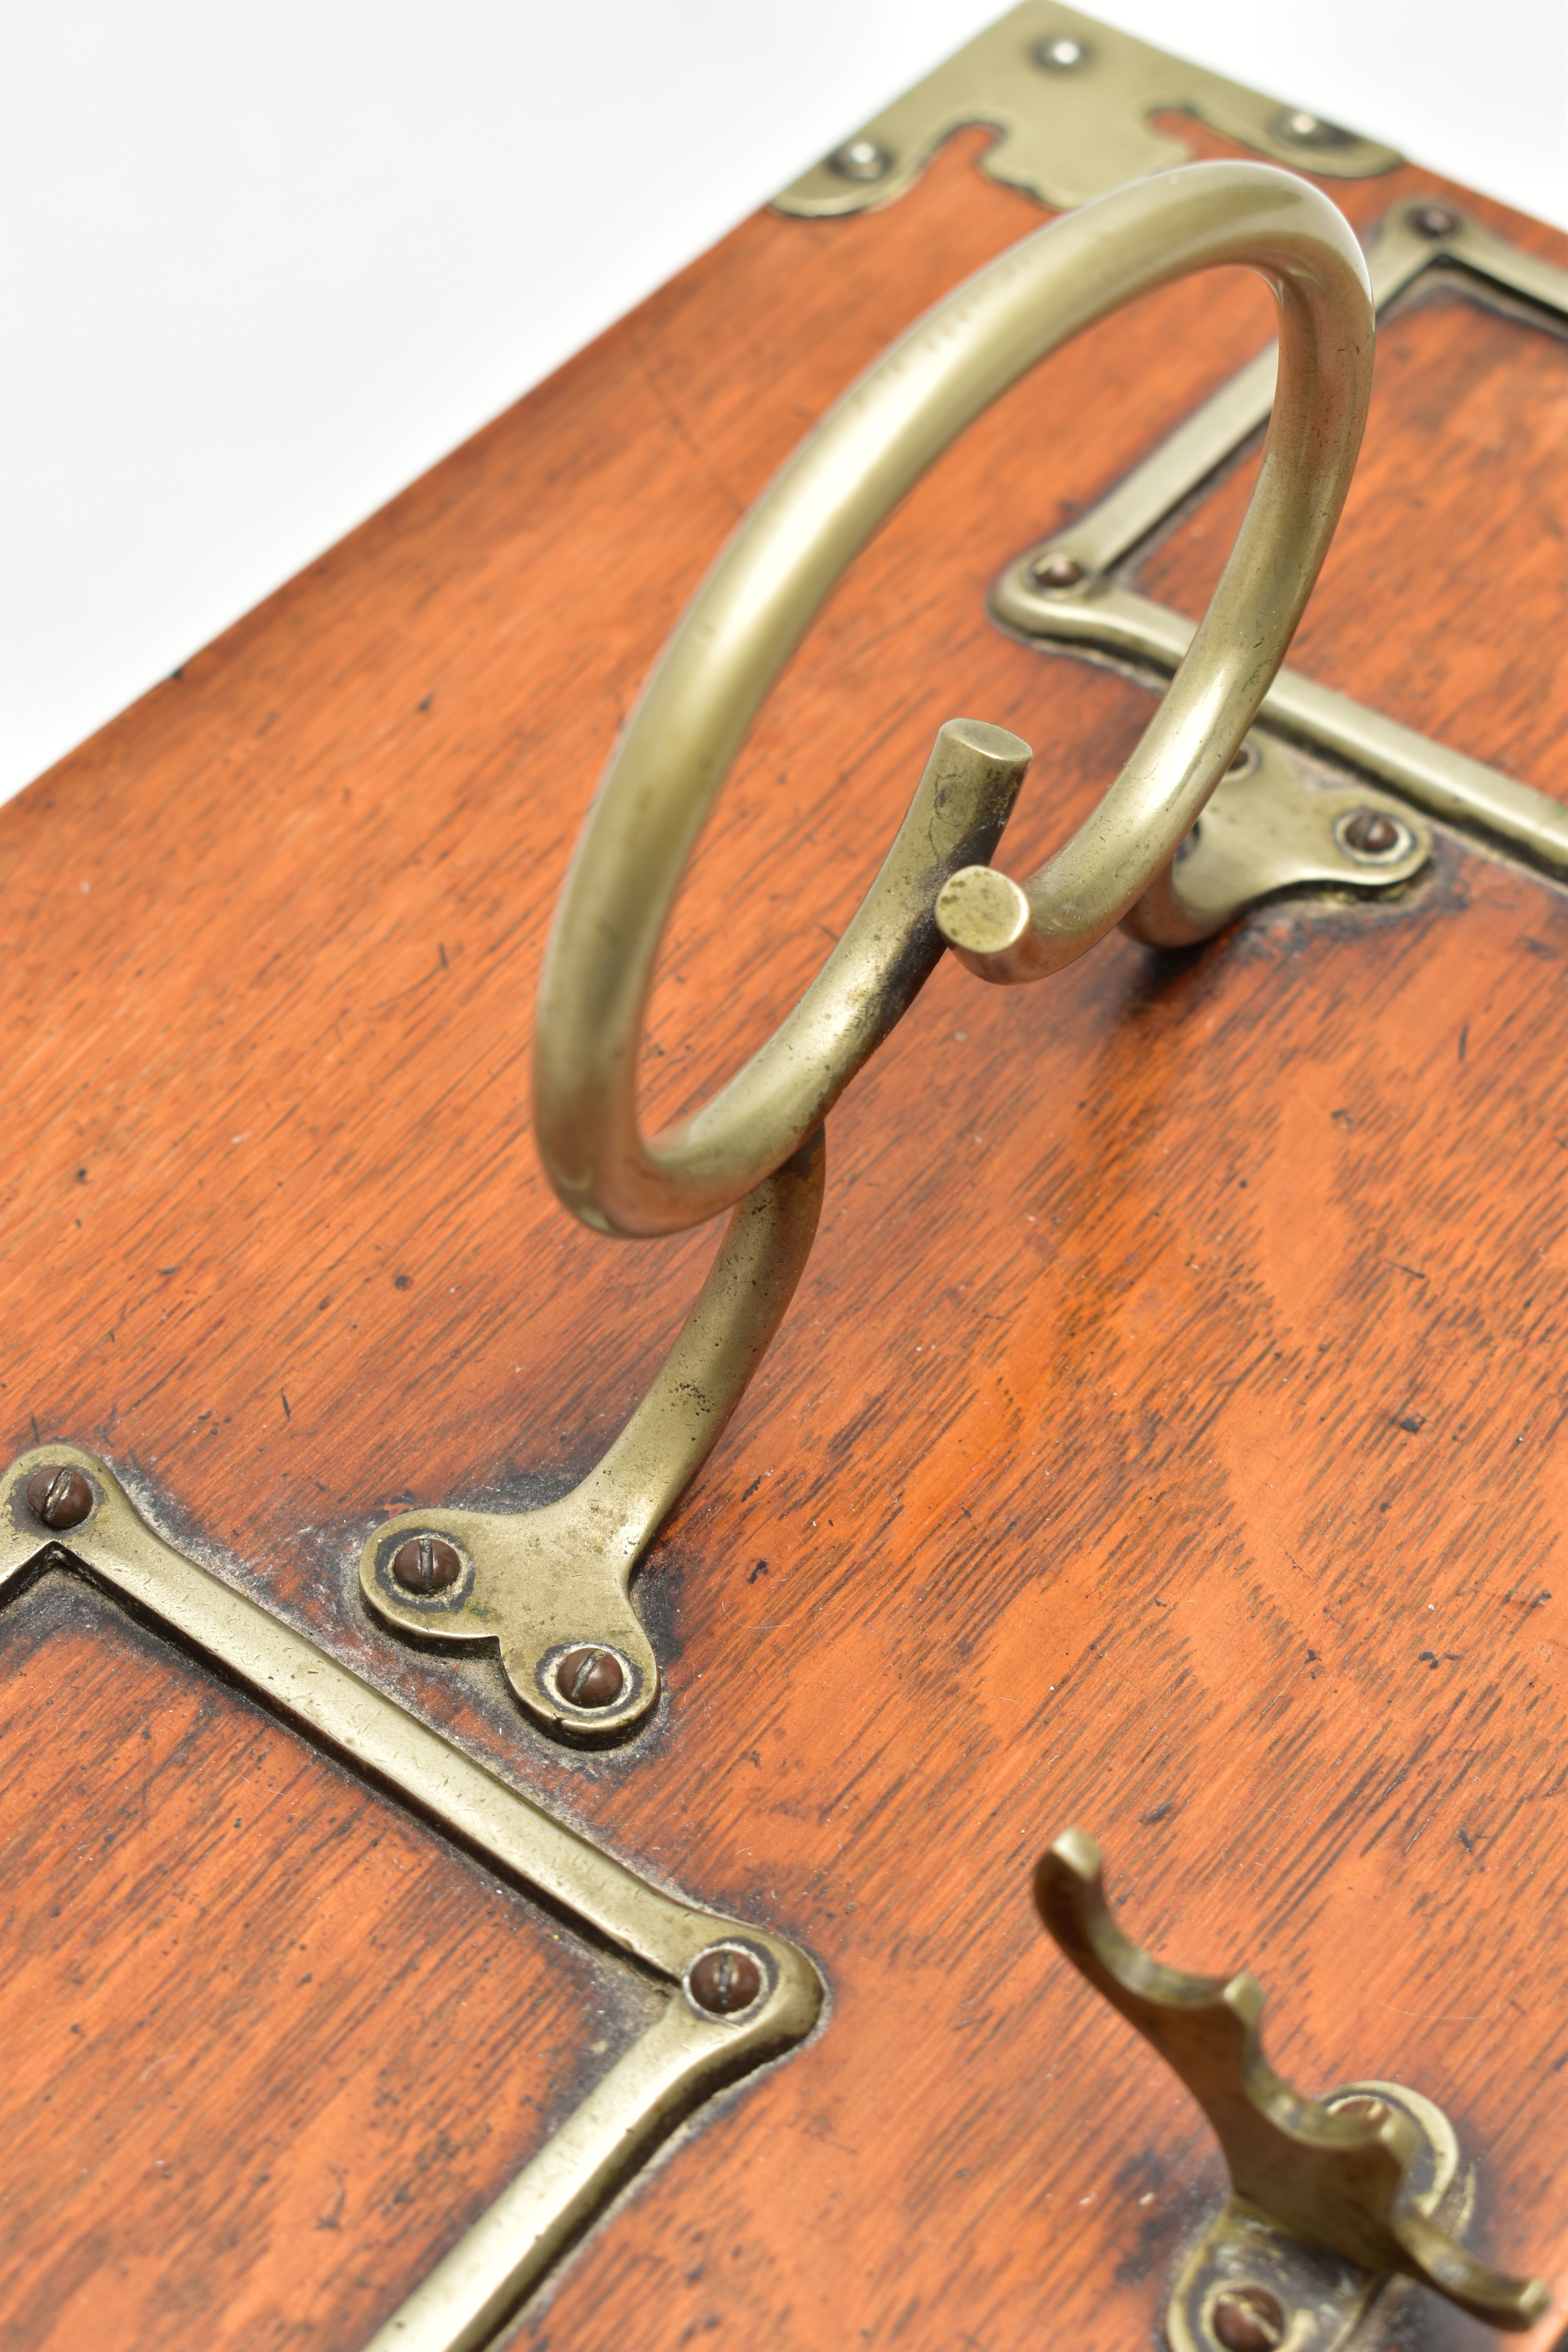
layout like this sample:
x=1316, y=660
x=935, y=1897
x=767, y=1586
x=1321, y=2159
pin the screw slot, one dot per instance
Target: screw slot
x=1248, y=2319
x=860, y=159
x=1055, y=571
x=426, y=1564
x=724, y=1980
x=1363, y=2107
x=59, y=1496
x=590, y=1677
x=1063, y=53
x=1297, y=128
x=1372, y=837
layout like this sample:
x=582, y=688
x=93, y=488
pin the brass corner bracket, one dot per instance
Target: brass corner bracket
x=1070, y=100
x=1331, y=2198
x=734, y=1995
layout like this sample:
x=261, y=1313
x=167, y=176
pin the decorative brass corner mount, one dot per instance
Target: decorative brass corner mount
x=1331, y=2197
x=1070, y=100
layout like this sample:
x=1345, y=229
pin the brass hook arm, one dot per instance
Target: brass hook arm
x=546, y=1586
x=761, y=595
x=1340, y=2181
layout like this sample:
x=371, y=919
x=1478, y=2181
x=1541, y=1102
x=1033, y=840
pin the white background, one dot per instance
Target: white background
x=268, y=259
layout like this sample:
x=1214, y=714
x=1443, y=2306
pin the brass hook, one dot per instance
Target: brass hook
x=550, y=1589
x=1343, y=2180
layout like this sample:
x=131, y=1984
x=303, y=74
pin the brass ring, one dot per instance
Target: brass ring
x=757, y=601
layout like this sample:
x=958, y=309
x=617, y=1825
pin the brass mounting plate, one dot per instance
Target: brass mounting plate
x=1271, y=828
x=1070, y=100
x=688, y=2051
x=1326, y=2302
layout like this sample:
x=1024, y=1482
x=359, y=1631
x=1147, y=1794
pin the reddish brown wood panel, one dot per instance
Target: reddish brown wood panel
x=271, y=2045
x=1078, y=1470
x=1454, y=532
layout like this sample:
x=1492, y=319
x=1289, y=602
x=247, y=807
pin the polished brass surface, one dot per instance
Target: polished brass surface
x=1071, y=101
x=1063, y=590
x=1326, y=2302
x=688, y=2049
x=762, y=593
x=1268, y=831
x=1269, y=828
x=536, y=1585
x=1353, y=2182
x=1103, y=618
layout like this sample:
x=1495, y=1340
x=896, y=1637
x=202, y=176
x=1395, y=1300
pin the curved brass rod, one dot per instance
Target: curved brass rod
x=1338, y=2180
x=755, y=605
x=544, y=1587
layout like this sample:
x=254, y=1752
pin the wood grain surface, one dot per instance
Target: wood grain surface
x=269, y=2036
x=1167, y=1436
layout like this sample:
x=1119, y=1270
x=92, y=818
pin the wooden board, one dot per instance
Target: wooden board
x=1164, y=1437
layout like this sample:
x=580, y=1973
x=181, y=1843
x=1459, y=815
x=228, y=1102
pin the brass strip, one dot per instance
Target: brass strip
x=1408, y=244
x=1091, y=613
x=685, y=2054
x=1070, y=100
x=1100, y=617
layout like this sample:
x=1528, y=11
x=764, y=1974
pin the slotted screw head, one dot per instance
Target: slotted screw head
x=1363, y=2107
x=59, y=1496
x=860, y=159
x=1298, y=128
x=1433, y=220
x=725, y=1980
x=590, y=1677
x=1063, y=53
x=1056, y=571
x=426, y=1564
x=1248, y=2319
x=1372, y=832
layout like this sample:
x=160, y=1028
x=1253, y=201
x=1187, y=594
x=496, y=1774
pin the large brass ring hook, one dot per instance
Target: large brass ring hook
x=757, y=601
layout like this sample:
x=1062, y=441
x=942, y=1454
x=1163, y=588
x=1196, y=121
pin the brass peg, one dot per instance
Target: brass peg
x=1369, y=2174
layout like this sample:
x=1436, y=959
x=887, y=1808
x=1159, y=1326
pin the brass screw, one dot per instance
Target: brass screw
x=1371, y=832
x=724, y=1980
x=590, y=1677
x=1248, y=2319
x=860, y=159
x=1055, y=571
x=1433, y=220
x=1363, y=2107
x=426, y=1564
x=1297, y=128
x=60, y=1497
x=1063, y=54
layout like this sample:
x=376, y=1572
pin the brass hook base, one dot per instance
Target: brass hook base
x=549, y=1589
x=1247, y=2283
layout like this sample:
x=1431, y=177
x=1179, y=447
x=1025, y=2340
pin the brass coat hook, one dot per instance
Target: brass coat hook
x=1363, y=2174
